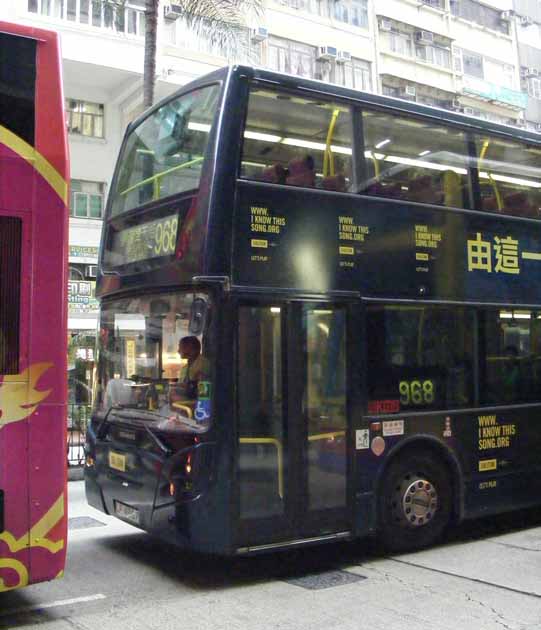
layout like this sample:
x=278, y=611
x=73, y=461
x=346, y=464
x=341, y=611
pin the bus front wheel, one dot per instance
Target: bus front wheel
x=415, y=502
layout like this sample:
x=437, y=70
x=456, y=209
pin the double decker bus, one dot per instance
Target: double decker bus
x=33, y=313
x=357, y=279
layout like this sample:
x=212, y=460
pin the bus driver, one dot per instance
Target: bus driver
x=195, y=370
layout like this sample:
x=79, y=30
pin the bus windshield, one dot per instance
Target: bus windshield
x=164, y=154
x=155, y=359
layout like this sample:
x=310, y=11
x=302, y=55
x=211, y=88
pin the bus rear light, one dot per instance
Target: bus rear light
x=183, y=244
x=186, y=228
x=172, y=489
x=188, y=465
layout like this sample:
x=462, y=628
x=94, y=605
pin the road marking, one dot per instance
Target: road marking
x=59, y=602
x=469, y=579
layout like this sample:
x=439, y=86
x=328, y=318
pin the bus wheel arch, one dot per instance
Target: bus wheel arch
x=419, y=494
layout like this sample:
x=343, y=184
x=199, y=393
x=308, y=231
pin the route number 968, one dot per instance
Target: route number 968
x=416, y=393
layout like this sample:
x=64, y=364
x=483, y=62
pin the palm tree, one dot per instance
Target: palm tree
x=221, y=22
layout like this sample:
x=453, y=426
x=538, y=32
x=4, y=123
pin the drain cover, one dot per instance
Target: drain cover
x=83, y=522
x=327, y=579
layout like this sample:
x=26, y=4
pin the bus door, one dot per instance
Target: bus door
x=292, y=431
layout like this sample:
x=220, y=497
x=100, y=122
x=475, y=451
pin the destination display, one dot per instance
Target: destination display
x=318, y=242
x=152, y=239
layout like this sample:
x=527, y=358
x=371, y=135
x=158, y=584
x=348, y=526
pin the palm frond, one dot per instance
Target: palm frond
x=221, y=22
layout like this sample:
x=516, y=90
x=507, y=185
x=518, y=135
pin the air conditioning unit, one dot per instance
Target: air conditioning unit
x=456, y=104
x=409, y=90
x=506, y=15
x=538, y=126
x=172, y=11
x=91, y=271
x=527, y=73
x=327, y=53
x=469, y=111
x=343, y=56
x=525, y=20
x=385, y=24
x=424, y=37
x=259, y=34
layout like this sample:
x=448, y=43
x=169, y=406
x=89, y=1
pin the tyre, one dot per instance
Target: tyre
x=415, y=502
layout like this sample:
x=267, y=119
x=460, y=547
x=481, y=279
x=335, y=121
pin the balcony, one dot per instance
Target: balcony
x=497, y=94
x=126, y=20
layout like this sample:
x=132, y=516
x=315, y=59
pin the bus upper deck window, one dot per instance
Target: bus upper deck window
x=298, y=141
x=164, y=154
x=508, y=177
x=414, y=160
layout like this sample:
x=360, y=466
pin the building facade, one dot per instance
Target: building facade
x=481, y=58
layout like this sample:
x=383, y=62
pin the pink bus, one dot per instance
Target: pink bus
x=33, y=319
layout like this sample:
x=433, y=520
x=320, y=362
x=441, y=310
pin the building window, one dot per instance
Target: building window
x=402, y=43
x=128, y=17
x=84, y=118
x=472, y=64
x=436, y=55
x=475, y=65
x=285, y=55
x=352, y=74
x=301, y=5
x=354, y=12
x=499, y=73
x=87, y=199
x=534, y=87
x=435, y=4
x=480, y=14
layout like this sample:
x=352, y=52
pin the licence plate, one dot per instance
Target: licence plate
x=117, y=461
x=127, y=512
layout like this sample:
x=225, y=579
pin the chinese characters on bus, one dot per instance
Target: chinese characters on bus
x=501, y=255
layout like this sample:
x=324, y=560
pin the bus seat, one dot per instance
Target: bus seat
x=392, y=190
x=422, y=190
x=275, y=174
x=490, y=204
x=335, y=182
x=518, y=204
x=301, y=172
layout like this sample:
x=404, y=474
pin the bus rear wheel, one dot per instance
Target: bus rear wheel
x=415, y=502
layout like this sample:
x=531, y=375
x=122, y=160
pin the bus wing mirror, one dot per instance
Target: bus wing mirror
x=198, y=316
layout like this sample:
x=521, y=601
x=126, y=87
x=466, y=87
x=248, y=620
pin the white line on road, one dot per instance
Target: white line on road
x=59, y=602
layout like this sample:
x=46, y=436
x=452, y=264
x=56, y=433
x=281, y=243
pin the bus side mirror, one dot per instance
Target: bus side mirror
x=198, y=316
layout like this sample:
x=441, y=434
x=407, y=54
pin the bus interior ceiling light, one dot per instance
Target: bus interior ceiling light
x=295, y=142
x=382, y=143
x=264, y=137
x=514, y=315
x=194, y=126
x=510, y=180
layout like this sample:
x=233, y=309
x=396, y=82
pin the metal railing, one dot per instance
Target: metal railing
x=78, y=419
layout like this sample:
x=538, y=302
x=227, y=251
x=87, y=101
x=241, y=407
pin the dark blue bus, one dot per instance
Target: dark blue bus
x=320, y=319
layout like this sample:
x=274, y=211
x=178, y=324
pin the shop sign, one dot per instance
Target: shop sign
x=83, y=254
x=81, y=296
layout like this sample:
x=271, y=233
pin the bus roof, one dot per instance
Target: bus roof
x=331, y=90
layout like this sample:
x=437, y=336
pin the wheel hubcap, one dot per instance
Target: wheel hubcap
x=416, y=501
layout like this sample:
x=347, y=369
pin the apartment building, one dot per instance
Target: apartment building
x=482, y=58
